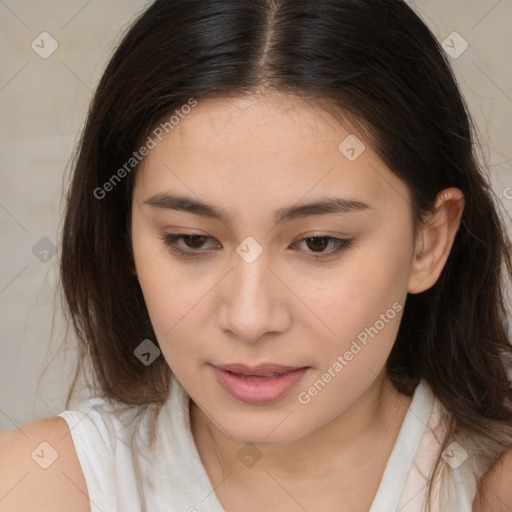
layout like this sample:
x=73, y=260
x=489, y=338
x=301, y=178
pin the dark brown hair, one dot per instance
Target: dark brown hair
x=374, y=60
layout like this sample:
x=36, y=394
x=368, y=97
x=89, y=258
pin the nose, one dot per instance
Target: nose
x=254, y=302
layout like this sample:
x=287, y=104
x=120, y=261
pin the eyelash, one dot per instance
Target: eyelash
x=340, y=245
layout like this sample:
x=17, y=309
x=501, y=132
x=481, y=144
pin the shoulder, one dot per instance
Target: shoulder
x=39, y=469
x=494, y=492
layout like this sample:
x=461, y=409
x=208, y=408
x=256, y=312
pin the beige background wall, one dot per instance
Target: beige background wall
x=42, y=107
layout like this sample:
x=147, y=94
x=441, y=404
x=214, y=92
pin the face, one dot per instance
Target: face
x=256, y=274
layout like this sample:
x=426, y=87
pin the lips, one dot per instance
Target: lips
x=258, y=384
x=263, y=370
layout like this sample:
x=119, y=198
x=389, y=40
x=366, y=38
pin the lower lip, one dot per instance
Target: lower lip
x=258, y=391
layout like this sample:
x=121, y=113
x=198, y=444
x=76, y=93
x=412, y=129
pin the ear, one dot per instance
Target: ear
x=435, y=240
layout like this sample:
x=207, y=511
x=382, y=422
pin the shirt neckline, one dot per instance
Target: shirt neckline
x=395, y=473
x=405, y=449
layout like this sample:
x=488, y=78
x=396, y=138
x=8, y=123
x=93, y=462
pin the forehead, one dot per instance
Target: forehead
x=261, y=152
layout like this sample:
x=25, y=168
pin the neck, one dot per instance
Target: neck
x=347, y=443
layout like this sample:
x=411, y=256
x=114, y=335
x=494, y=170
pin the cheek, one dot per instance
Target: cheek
x=168, y=293
x=365, y=287
x=171, y=299
x=171, y=305
x=364, y=312
x=363, y=299
x=176, y=296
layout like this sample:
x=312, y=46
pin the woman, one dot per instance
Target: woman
x=285, y=268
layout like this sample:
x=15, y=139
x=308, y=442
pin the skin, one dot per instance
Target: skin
x=252, y=156
x=494, y=493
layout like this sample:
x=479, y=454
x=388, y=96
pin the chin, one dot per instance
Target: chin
x=262, y=434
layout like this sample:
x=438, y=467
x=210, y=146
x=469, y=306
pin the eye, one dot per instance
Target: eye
x=319, y=243
x=192, y=245
x=186, y=244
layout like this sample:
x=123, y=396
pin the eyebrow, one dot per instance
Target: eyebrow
x=329, y=205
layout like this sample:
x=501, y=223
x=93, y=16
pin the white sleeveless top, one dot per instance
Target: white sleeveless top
x=175, y=480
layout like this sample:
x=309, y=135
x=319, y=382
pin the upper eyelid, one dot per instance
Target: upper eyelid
x=180, y=236
x=300, y=239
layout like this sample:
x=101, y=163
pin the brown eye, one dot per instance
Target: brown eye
x=194, y=241
x=188, y=245
x=324, y=246
x=318, y=243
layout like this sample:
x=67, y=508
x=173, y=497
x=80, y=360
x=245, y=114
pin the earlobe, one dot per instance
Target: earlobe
x=435, y=240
